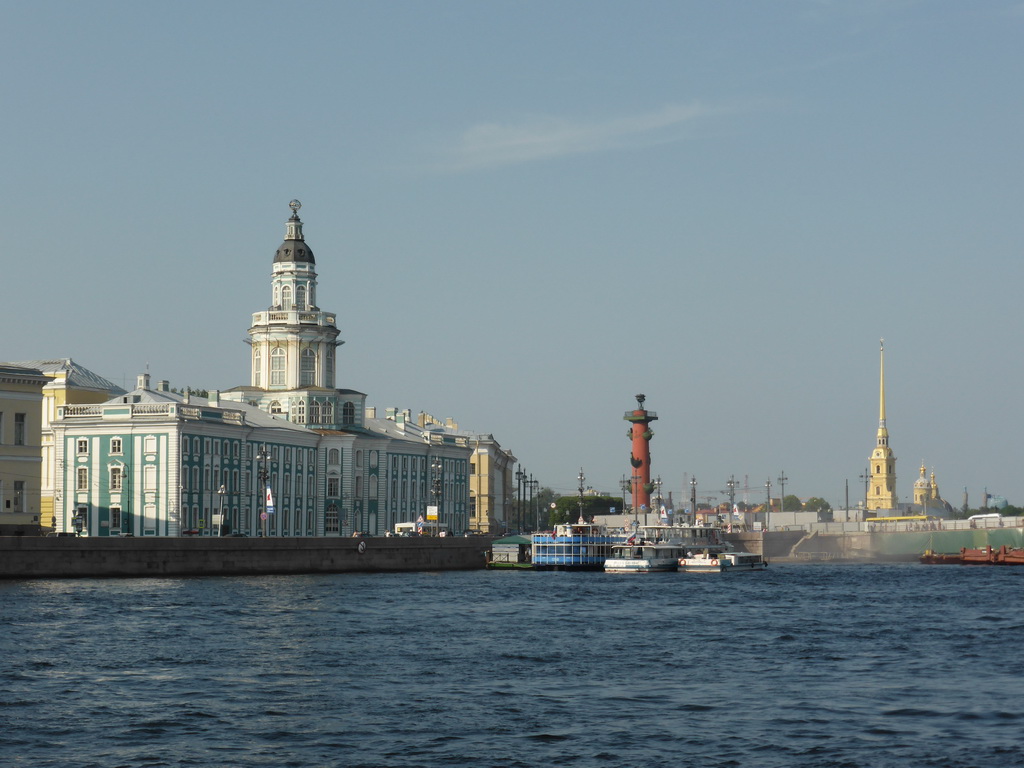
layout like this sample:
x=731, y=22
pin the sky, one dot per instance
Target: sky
x=526, y=213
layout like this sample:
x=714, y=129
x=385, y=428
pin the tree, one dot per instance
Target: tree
x=792, y=503
x=817, y=504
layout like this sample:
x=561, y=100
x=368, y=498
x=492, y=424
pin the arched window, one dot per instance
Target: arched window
x=275, y=407
x=286, y=297
x=257, y=367
x=314, y=411
x=348, y=413
x=327, y=414
x=300, y=297
x=307, y=370
x=333, y=456
x=278, y=359
x=300, y=412
x=329, y=373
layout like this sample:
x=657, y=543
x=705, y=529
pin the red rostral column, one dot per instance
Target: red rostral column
x=640, y=460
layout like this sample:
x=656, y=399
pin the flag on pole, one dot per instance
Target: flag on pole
x=269, y=501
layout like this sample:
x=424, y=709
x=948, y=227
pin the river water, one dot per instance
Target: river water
x=801, y=665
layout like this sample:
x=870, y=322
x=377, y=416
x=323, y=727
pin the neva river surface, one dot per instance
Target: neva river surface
x=802, y=665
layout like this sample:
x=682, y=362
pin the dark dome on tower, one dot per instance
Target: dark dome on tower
x=294, y=250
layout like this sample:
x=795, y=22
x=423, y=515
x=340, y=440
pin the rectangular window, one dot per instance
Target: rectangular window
x=331, y=520
x=115, y=517
x=333, y=487
x=83, y=479
x=19, y=429
x=115, y=478
x=115, y=445
x=82, y=446
x=19, y=495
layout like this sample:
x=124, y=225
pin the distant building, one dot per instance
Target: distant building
x=20, y=447
x=926, y=496
x=68, y=383
x=882, y=484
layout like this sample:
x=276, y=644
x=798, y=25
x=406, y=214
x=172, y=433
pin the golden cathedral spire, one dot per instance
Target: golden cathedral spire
x=882, y=491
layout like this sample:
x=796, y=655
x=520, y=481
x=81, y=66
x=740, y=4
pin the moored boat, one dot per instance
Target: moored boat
x=573, y=546
x=721, y=562
x=938, y=558
x=980, y=556
x=644, y=557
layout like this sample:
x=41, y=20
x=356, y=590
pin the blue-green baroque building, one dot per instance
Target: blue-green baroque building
x=154, y=462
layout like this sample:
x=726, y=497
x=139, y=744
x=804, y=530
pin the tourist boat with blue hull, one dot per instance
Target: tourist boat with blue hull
x=722, y=562
x=573, y=546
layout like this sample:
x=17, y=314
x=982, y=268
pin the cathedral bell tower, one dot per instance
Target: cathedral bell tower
x=882, y=488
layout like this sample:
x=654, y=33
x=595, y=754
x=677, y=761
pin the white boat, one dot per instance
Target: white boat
x=720, y=562
x=644, y=557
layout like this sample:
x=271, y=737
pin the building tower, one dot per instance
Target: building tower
x=293, y=347
x=293, y=342
x=922, y=490
x=640, y=458
x=882, y=486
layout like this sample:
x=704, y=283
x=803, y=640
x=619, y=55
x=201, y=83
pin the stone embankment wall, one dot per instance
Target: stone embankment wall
x=63, y=557
x=873, y=546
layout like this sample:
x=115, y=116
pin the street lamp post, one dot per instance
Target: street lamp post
x=768, y=507
x=263, y=476
x=866, y=477
x=435, y=490
x=782, y=493
x=693, y=499
x=581, y=479
x=220, y=512
x=531, y=510
x=625, y=492
x=730, y=485
x=636, y=509
x=520, y=480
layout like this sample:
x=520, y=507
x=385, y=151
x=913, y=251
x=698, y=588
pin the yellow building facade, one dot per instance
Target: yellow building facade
x=65, y=383
x=20, y=444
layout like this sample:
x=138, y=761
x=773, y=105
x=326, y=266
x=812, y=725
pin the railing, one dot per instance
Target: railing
x=293, y=317
x=81, y=410
x=166, y=410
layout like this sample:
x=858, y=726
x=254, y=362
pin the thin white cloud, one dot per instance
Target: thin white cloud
x=489, y=145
